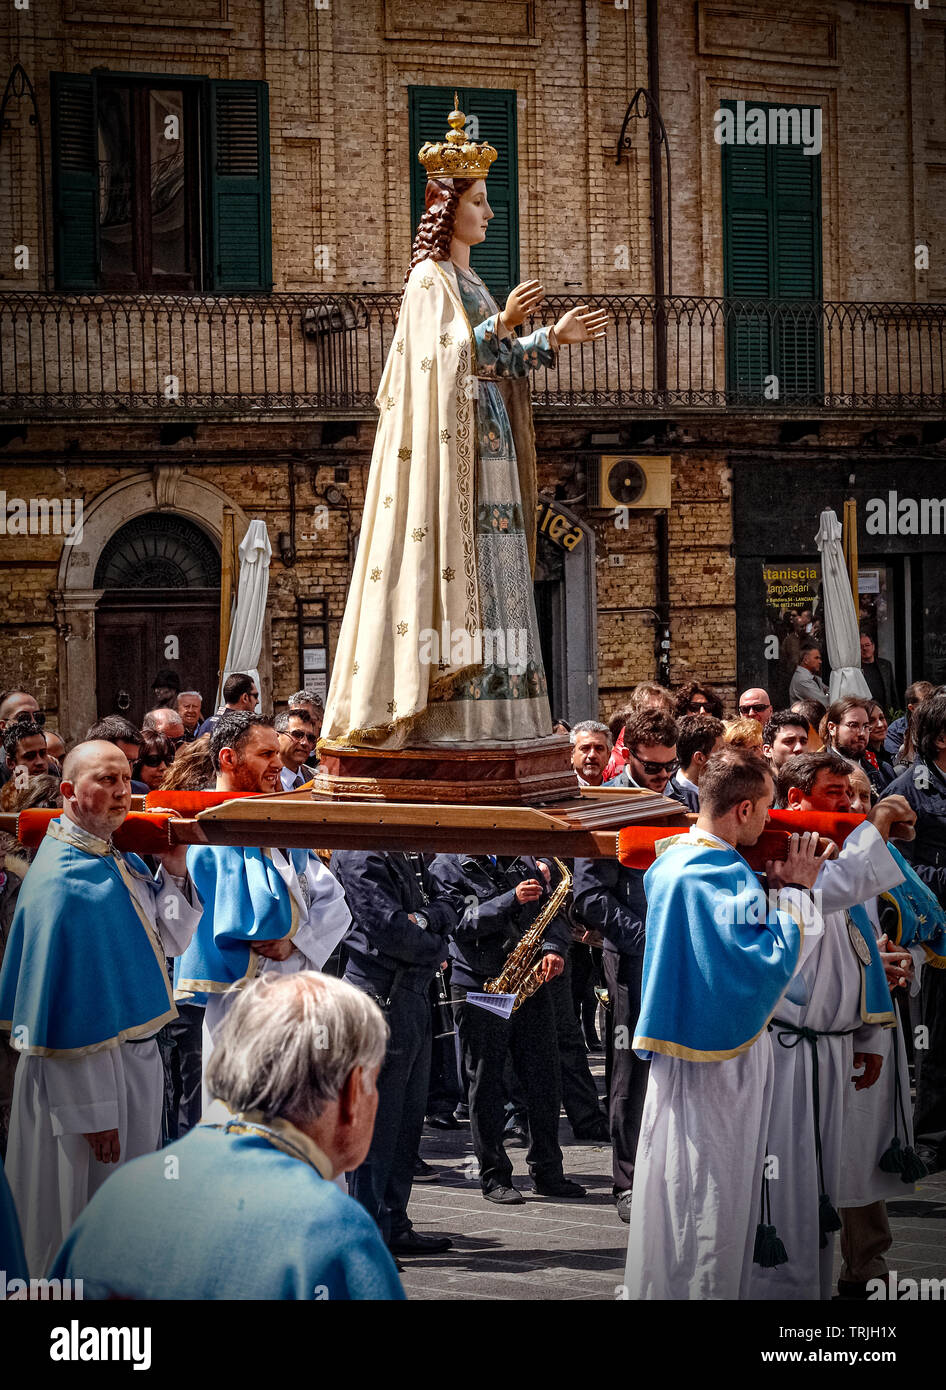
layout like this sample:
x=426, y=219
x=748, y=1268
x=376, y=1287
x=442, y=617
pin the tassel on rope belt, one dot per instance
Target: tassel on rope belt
x=790, y=1035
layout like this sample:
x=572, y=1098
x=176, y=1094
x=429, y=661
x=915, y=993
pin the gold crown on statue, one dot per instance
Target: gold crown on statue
x=456, y=157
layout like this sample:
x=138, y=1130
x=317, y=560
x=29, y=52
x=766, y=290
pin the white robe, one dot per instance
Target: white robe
x=869, y=1116
x=52, y=1170
x=698, y=1170
x=825, y=995
x=324, y=919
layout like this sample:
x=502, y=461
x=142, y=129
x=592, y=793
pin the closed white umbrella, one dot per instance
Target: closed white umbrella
x=840, y=615
x=246, y=632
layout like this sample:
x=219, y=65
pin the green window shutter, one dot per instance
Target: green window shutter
x=75, y=181
x=239, y=186
x=797, y=227
x=772, y=251
x=496, y=260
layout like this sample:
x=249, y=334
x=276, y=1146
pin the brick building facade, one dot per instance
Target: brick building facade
x=852, y=238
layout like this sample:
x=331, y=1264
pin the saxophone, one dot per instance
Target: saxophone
x=520, y=974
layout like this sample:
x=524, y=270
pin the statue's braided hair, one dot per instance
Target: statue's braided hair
x=435, y=229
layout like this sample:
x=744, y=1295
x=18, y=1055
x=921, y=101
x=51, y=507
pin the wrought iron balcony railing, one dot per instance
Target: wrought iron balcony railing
x=152, y=356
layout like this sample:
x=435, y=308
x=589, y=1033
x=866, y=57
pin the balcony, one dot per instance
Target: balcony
x=319, y=356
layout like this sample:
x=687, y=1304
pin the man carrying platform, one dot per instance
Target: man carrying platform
x=265, y=910
x=84, y=989
x=717, y=960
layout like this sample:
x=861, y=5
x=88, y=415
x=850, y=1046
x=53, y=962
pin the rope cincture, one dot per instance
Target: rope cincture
x=769, y=1250
x=895, y=1158
x=790, y=1035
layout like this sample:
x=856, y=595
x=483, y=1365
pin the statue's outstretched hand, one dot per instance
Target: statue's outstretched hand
x=582, y=325
x=522, y=302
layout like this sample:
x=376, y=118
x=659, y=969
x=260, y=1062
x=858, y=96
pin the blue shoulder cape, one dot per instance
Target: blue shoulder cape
x=876, y=1004
x=920, y=917
x=245, y=901
x=83, y=969
x=717, y=956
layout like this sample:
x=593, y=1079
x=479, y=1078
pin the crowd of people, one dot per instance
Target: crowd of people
x=275, y=1019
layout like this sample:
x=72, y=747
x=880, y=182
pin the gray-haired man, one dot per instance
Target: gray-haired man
x=591, y=749
x=247, y=1209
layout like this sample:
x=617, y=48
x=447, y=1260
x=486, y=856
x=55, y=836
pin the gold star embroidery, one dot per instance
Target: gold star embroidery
x=445, y=340
x=426, y=283
x=354, y=669
x=449, y=573
x=418, y=533
x=404, y=453
x=392, y=707
x=375, y=575
x=399, y=345
x=401, y=629
x=388, y=501
x=444, y=436
x=426, y=364
x=389, y=403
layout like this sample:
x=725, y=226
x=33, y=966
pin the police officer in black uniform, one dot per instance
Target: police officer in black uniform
x=397, y=941
x=496, y=900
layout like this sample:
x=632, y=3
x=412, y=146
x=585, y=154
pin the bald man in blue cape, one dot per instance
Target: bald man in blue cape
x=84, y=990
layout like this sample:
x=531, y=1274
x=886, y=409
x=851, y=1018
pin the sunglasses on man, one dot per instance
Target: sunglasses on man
x=752, y=709
x=26, y=717
x=652, y=769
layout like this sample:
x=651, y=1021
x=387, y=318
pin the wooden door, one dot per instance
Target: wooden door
x=137, y=636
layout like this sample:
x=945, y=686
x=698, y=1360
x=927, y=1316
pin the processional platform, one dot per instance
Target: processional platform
x=585, y=826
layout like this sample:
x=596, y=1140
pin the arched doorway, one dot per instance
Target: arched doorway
x=160, y=574
x=566, y=608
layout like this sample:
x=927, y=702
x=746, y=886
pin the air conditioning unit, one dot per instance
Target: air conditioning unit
x=627, y=480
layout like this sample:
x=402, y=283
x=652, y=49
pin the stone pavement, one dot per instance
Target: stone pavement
x=550, y=1249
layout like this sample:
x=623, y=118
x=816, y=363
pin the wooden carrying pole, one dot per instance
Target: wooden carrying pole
x=849, y=542
x=226, y=588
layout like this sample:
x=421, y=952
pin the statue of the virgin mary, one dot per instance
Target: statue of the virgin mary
x=439, y=641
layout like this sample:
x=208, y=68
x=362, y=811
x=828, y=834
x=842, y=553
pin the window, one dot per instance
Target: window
x=495, y=260
x=772, y=252
x=160, y=184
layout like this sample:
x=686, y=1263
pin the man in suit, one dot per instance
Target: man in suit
x=924, y=786
x=293, y=727
x=878, y=674
x=397, y=941
x=610, y=901
x=806, y=682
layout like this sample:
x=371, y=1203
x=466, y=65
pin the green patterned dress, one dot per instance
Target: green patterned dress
x=508, y=700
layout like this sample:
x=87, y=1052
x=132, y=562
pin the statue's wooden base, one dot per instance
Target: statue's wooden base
x=531, y=773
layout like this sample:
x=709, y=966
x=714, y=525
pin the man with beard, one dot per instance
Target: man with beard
x=846, y=729
x=264, y=909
